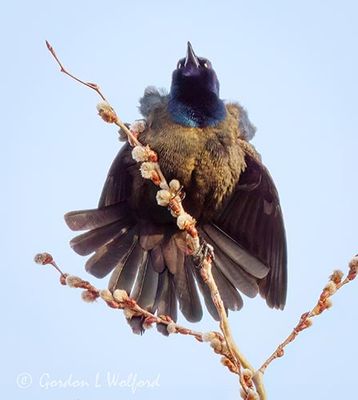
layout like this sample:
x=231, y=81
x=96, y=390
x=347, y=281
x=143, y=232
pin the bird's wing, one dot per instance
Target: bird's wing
x=118, y=185
x=252, y=216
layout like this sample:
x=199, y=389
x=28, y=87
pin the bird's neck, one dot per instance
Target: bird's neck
x=196, y=110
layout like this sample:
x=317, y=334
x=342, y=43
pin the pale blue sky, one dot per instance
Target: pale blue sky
x=293, y=65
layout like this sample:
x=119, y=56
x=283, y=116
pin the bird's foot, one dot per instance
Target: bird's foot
x=204, y=252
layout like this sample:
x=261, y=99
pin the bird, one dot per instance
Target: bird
x=204, y=142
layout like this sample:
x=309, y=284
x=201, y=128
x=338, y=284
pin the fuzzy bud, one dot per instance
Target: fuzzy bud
x=140, y=154
x=63, y=279
x=88, y=296
x=120, y=295
x=147, y=169
x=128, y=313
x=208, y=336
x=106, y=112
x=106, y=295
x=73, y=281
x=331, y=288
x=43, y=258
x=216, y=345
x=317, y=310
x=171, y=327
x=229, y=364
x=174, y=185
x=185, y=220
x=280, y=352
x=138, y=126
x=163, y=197
x=328, y=303
x=163, y=185
x=306, y=323
x=251, y=395
x=353, y=268
x=247, y=374
x=336, y=276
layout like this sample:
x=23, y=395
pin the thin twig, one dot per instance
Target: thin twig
x=93, y=86
x=324, y=303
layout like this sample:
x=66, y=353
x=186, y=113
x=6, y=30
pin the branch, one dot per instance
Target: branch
x=120, y=300
x=248, y=373
x=93, y=86
x=324, y=302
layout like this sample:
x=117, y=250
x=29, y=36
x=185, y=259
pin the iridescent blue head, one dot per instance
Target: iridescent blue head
x=194, y=95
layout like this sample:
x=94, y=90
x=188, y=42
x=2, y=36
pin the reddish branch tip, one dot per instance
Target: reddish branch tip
x=48, y=45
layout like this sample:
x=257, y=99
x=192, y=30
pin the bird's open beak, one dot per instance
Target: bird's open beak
x=191, y=59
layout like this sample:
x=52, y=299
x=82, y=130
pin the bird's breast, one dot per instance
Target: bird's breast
x=206, y=161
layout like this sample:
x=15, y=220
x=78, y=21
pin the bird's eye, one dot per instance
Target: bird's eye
x=206, y=64
x=179, y=65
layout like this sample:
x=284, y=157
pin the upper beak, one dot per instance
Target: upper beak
x=191, y=58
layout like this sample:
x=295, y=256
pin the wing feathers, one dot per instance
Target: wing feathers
x=229, y=295
x=233, y=250
x=252, y=217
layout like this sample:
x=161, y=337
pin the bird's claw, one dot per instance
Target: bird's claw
x=205, y=251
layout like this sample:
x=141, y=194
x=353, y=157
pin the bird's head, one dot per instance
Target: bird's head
x=194, y=94
x=194, y=73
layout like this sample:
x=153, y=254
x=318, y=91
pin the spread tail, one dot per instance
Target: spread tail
x=150, y=263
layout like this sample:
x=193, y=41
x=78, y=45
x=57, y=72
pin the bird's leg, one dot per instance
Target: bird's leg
x=204, y=252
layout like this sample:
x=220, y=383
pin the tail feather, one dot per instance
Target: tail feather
x=136, y=323
x=83, y=220
x=157, y=259
x=108, y=256
x=144, y=292
x=90, y=241
x=173, y=255
x=146, y=285
x=125, y=272
x=187, y=293
x=151, y=235
x=166, y=303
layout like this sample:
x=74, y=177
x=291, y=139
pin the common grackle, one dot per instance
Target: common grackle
x=204, y=143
